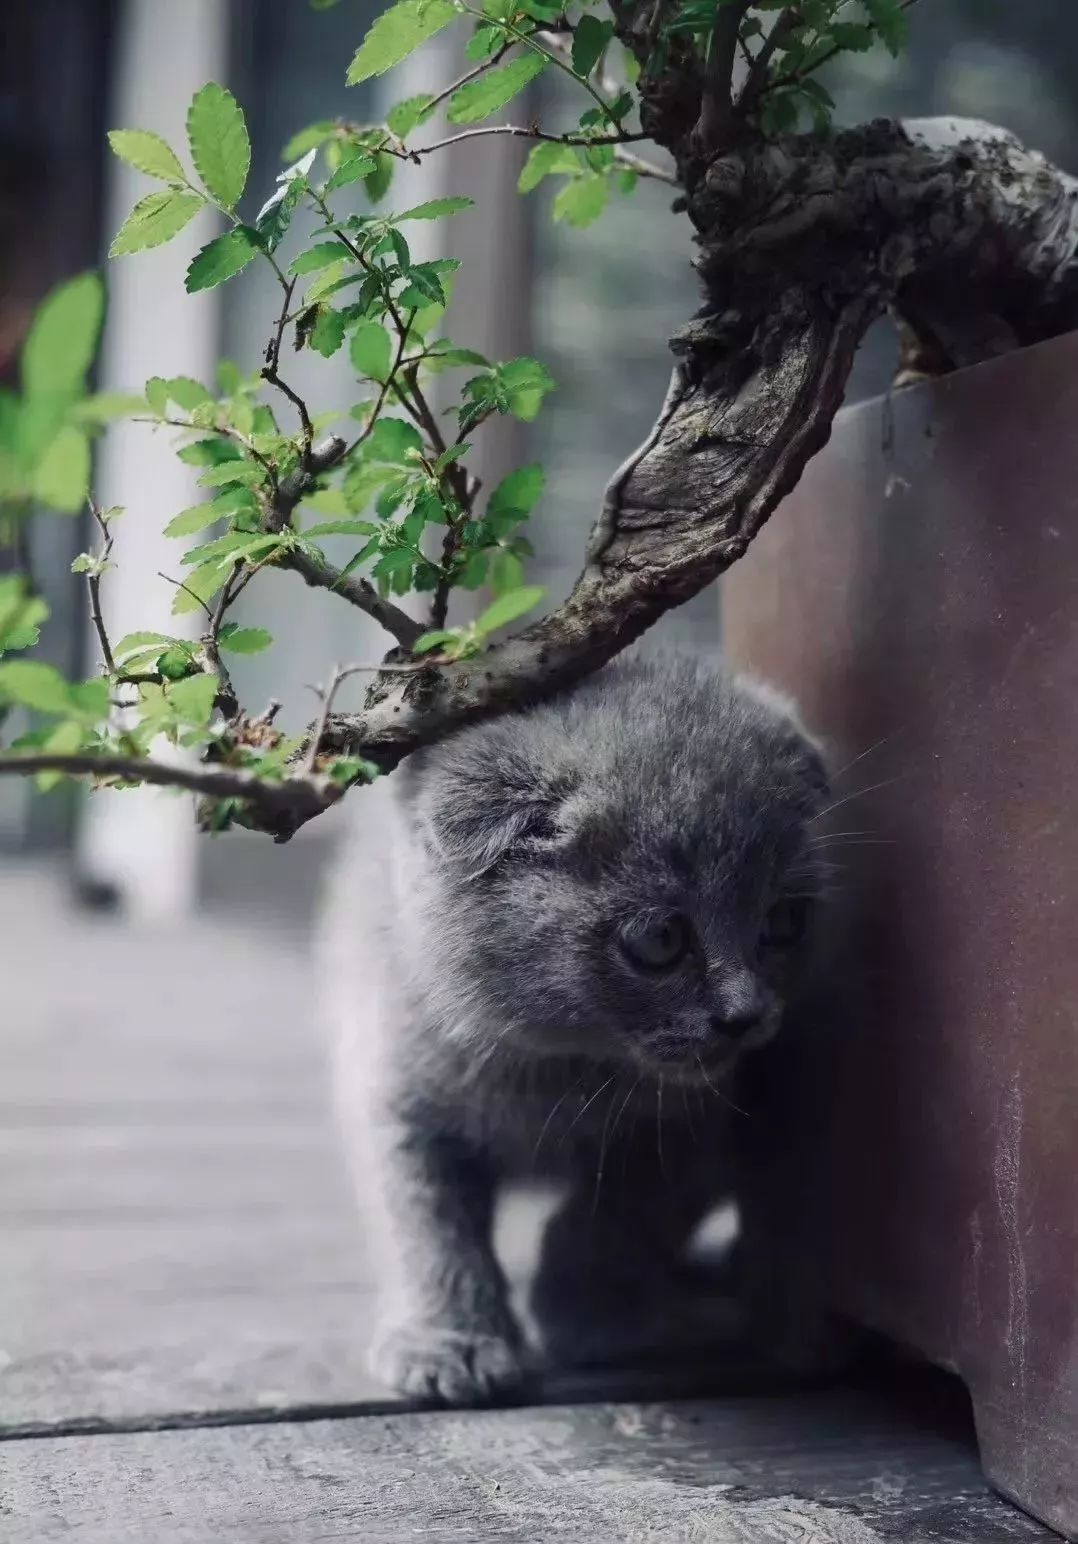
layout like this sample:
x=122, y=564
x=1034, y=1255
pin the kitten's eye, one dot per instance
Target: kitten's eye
x=785, y=923
x=657, y=941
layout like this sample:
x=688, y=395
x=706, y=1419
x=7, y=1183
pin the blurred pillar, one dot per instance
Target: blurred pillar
x=143, y=842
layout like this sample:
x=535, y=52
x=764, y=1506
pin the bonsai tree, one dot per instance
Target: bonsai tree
x=804, y=234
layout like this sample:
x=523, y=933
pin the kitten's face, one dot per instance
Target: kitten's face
x=656, y=911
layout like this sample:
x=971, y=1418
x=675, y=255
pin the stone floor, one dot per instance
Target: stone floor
x=183, y=1296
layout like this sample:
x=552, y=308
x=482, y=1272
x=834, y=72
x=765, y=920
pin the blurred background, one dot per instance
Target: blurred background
x=158, y=1063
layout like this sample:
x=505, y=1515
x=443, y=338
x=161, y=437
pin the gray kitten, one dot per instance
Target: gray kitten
x=547, y=933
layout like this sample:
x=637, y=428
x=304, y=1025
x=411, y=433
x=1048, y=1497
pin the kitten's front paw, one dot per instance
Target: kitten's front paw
x=442, y=1365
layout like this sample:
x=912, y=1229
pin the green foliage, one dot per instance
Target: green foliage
x=399, y=500
x=220, y=148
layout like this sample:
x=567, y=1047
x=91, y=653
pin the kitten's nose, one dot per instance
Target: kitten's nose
x=739, y=1005
x=737, y=1024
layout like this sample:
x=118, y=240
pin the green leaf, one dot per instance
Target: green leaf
x=378, y=183
x=62, y=477
x=342, y=528
x=436, y=209
x=396, y=34
x=246, y=472
x=89, y=699
x=103, y=406
x=313, y=137
x=220, y=147
x=65, y=740
x=20, y=615
x=133, y=642
x=233, y=545
x=63, y=337
x=327, y=334
x=371, y=351
x=544, y=160
x=427, y=641
x=32, y=684
x=222, y=258
x=154, y=220
x=508, y=607
x=317, y=257
x=481, y=97
x=201, y=585
x=211, y=451
x=408, y=115
x=199, y=516
x=148, y=152
x=516, y=495
x=589, y=40
x=326, y=282
x=890, y=21
x=186, y=392
x=244, y=640
x=391, y=439
x=351, y=170
x=506, y=572
x=193, y=698
x=485, y=42
x=582, y=200
x=525, y=383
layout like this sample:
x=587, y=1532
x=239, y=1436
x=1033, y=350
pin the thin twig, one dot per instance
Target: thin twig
x=93, y=585
x=181, y=586
x=837, y=48
x=521, y=132
x=642, y=168
x=328, y=695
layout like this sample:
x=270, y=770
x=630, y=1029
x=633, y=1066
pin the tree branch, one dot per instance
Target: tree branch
x=716, y=104
x=359, y=592
x=93, y=585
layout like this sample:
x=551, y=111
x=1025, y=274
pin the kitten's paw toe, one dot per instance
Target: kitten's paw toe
x=441, y=1365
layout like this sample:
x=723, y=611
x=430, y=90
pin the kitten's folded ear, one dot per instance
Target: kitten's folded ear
x=492, y=803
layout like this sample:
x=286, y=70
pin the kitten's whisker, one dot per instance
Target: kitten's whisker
x=659, y=1124
x=586, y=1106
x=717, y=1092
x=562, y=1097
x=859, y=794
x=882, y=741
x=603, y=1141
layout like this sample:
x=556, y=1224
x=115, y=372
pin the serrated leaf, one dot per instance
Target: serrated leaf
x=154, y=220
x=342, y=528
x=192, y=699
x=200, y=516
x=890, y=21
x=220, y=147
x=378, y=183
x=313, y=137
x=186, y=392
x=221, y=258
x=351, y=170
x=506, y=572
x=200, y=586
x=509, y=607
x=65, y=740
x=326, y=282
x=589, y=39
x=427, y=641
x=391, y=439
x=319, y=256
x=246, y=472
x=32, y=684
x=234, y=545
x=211, y=451
x=104, y=406
x=371, y=351
x=517, y=495
x=245, y=640
x=62, y=476
x=133, y=642
x=408, y=115
x=327, y=334
x=147, y=153
x=397, y=33
x=542, y=161
x=436, y=209
x=582, y=200
x=63, y=337
x=481, y=97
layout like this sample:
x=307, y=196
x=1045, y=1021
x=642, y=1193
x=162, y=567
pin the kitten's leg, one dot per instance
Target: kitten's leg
x=445, y=1331
x=606, y=1284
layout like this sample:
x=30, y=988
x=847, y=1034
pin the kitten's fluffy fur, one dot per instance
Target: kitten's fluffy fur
x=491, y=1023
